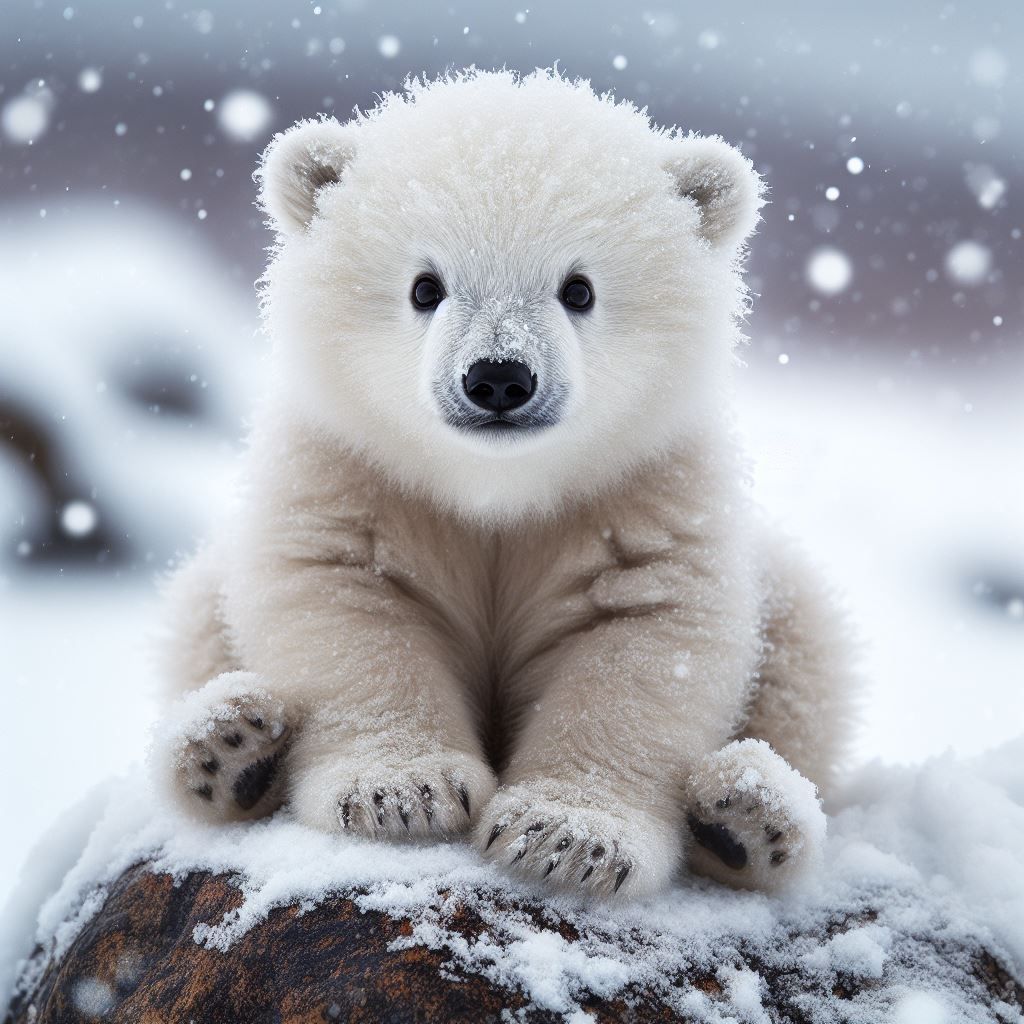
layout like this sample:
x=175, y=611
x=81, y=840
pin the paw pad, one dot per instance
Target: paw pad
x=230, y=759
x=754, y=821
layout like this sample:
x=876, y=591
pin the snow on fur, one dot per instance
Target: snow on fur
x=882, y=856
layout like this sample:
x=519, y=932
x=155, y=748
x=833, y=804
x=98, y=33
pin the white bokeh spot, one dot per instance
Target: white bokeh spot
x=829, y=270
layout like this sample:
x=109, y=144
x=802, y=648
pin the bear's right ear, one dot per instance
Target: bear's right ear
x=297, y=165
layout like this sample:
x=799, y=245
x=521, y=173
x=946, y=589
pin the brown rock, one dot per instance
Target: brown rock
x=136, y=962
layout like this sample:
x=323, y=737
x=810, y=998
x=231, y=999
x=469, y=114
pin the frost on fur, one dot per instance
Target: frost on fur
x=537, y=617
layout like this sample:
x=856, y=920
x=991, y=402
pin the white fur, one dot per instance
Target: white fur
x=579, y=614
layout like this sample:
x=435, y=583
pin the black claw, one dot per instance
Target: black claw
x=205, y=791
x=537, y=826
x=519, y=856
x=345, y=813
x=717, y=839
x=778, y=857
x=722, y=804
x=463, y=797
x=775, y=836
x=495, y=832
x=254, y=780
x=235, y=739
x=587, y=874
x=256, y=722
x=404, y=815
x=552, y=864
x=621, y=876
x=428, y=802
x=210, y=766
x=378, y=802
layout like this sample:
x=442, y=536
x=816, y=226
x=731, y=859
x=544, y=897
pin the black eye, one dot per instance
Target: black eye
x=577, y=294
x=427, y=292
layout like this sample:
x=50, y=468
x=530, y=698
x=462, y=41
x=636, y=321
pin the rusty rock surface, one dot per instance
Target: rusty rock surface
x=137, y=962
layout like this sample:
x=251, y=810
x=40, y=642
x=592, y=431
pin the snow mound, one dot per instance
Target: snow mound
x=917, y=861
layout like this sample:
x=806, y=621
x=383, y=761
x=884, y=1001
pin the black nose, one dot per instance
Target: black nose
x=499, y=387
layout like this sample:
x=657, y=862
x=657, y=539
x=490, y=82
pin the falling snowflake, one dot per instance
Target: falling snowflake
x=968, y=262
x=389, y=46
x=829, y=270
x=26, y=118
x=90, y=79
x=78, y=518
x=245, y=115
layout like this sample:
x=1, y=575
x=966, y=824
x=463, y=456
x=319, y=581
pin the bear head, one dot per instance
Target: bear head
x=505, y=292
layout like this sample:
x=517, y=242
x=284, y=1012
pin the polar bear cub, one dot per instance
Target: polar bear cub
x=493, y=570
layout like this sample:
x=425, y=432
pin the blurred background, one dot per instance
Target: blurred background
x=881, y=396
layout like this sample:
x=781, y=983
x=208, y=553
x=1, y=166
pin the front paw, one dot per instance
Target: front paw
x=385, y=798
x=755, y=822
x=227, y=747
x=559, y=835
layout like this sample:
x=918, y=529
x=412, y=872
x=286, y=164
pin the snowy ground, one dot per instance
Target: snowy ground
x=910, y=503
x=911, y=497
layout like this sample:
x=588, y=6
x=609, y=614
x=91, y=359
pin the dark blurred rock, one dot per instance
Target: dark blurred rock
x=136, y=962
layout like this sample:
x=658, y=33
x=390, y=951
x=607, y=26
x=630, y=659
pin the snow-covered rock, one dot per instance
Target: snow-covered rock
x=916, y=915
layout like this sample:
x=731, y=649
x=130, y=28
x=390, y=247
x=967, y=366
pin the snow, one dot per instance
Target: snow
x=195, y=716
x=921, y=1008
x=932, y=853
x=245, y=115
x=78, y=518
x=968, y=262
x=93, y=997
x=828, y=270
x=25, y=118
x=989, y=67
x=904, y=500
x=90, y=79
x=98, y=319
x=389, y=46
x=709, y=39
x=985, y=184
x=744, y=990
x=860, y=953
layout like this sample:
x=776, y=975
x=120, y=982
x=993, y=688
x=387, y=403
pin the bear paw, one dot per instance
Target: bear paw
x=382, y=798
x=227, y=749
x=754, y=821
x=549, y=833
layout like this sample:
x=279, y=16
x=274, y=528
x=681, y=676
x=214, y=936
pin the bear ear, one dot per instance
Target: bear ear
x=297, y=165
x=723, y=184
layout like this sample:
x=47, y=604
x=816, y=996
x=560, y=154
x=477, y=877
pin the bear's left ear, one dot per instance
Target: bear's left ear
x=297, y=165
x=723, y=184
